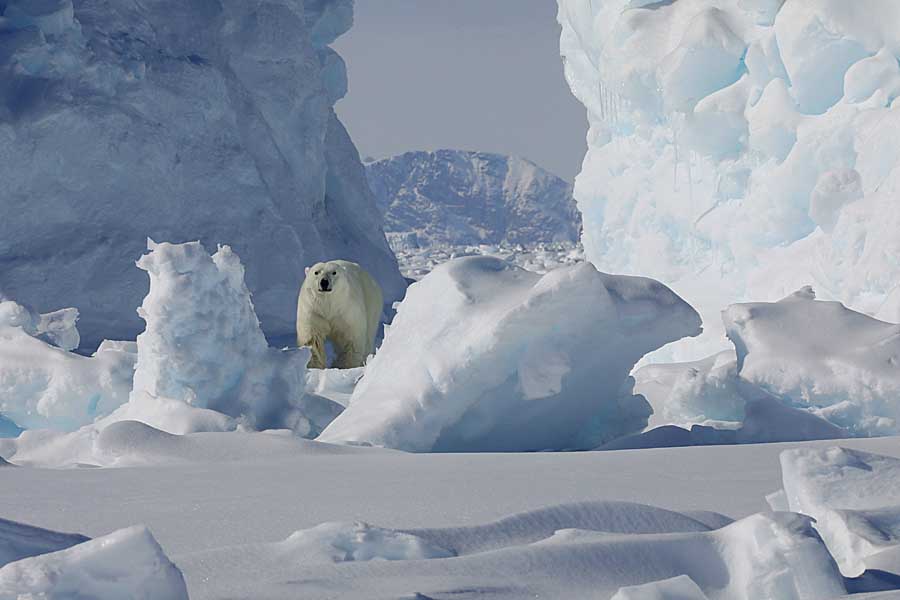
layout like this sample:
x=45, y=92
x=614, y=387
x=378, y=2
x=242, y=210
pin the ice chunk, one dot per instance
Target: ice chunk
x=124, y=564
x=203, y=346
x=45, y=386
x=214, y=121
x=676, y=588
x=822, y=355
x=18, y=541
x=854, y=497
x=57, y=327
x=486, y=356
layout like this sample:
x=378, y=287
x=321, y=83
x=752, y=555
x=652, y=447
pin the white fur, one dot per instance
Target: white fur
x=348, y=315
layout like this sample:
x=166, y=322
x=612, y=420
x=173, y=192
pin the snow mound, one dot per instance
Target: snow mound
x=42, y=385
x=676, y=588
x=340, y=542
x=456, y=197
x=203, y=344
x=533, y=526
x=854, y=497
x=486, y=356
x=127, y=443
x=124, y=564
x=215, y=122
x=740, y=149
x=18, y=541
x=821, y=355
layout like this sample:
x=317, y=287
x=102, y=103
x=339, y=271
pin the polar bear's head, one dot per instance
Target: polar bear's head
x=325, y=277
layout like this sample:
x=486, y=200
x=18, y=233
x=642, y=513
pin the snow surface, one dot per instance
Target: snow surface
x=456, y=197
x=203, y=120
x=124, y=564
x=483, y=355
x=227, y=518
x=741, y=149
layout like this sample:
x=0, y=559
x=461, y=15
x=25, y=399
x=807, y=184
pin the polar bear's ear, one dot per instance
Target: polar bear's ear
x=306, y=271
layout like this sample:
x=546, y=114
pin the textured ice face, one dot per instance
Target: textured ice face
x=741, y=149
x=178, y=121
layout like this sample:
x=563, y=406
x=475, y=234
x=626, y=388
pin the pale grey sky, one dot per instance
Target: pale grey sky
x=470, y=74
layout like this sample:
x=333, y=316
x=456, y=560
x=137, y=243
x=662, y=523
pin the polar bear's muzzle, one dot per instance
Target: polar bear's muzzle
x=325, y=285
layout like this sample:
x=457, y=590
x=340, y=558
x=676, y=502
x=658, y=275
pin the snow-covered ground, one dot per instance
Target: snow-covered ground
x=264, y=515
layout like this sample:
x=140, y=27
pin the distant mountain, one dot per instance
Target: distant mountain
x=454, y=197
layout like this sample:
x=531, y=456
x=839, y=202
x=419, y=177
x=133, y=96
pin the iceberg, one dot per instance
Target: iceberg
x=740, y=149
x=213, y=122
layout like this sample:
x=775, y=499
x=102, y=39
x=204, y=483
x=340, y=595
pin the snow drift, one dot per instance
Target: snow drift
x=207, y=120
x=487, y=356
x=741, y=149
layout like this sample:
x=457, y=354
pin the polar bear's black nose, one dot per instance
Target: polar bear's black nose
x=324, y=285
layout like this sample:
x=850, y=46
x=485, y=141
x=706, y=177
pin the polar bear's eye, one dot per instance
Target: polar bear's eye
x=317, y=272
x=334, y=272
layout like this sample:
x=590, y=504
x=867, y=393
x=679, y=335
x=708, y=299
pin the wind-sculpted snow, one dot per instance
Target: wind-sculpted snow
x=199, y=120
x=124, y=564
x=740, y=149
x=454, y=197
x=487, y=356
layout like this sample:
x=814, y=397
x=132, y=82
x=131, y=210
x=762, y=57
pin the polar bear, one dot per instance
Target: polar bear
x=339, y=301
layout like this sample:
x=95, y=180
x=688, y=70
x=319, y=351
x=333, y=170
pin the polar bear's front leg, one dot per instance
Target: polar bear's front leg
x=349, y=356
x=316, y=343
